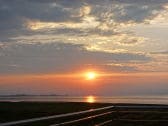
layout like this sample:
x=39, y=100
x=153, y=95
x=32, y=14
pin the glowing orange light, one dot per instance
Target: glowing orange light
x=91, y=75
x=90, y=99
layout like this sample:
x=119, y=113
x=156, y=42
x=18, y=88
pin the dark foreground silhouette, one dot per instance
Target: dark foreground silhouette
x=121, y=114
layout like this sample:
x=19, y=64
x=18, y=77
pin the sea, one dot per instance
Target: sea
x=162, y=99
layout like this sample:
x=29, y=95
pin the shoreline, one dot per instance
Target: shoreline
x=95, y=99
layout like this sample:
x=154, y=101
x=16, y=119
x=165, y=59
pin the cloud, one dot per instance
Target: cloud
x=61, y=57
x=107, y=17
x=128, y=39
x=161, y=52
x=98, y=24
x=14, y=14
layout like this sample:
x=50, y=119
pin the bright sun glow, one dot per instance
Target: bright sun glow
x=90, y=99
x=91, y=75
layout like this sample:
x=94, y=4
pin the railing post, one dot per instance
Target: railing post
x=116, y=115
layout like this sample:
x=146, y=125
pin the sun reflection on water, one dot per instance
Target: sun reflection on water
x=90, y=99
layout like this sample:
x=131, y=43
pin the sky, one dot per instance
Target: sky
x=46, y=45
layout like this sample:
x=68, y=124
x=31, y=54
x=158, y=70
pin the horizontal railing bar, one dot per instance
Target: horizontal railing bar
x=104, y=123
x=54, y=116
x=159, y=112
x=140, y=120
x=144, y=107
x=82, y=119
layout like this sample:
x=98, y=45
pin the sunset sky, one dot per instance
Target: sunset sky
x=49, y=46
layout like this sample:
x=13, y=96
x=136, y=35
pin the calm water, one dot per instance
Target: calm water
x=91, y=99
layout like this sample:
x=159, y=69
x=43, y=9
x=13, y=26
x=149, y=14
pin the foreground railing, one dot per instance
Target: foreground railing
x=85, y=118
x=62, y=116
x=105, y=115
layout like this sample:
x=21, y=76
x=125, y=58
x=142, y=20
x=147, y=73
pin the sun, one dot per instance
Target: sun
x=90, y=99
x=91, y=75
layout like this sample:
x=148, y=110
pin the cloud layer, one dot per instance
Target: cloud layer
x=38, y=35
x=62, y=57
x=105, y=16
